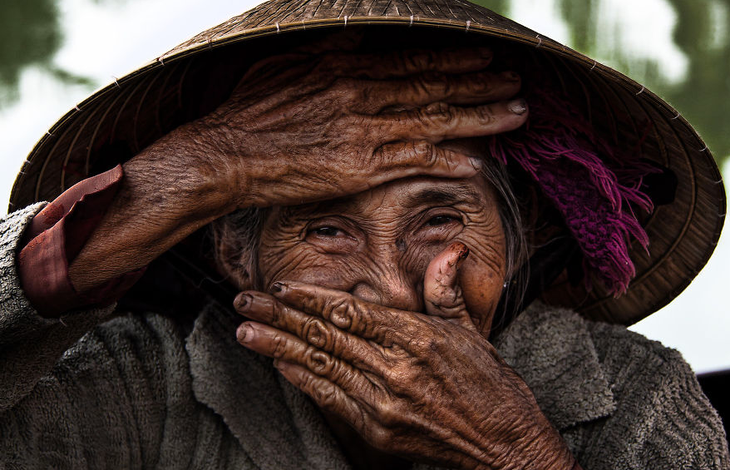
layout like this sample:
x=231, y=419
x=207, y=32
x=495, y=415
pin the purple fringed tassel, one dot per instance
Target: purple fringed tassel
x=586, y=182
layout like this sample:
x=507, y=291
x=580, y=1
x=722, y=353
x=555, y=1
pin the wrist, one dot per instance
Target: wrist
x=186, y=174
x=549, y=452
x=541, y=449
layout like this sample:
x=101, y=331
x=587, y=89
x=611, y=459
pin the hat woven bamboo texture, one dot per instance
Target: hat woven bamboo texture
x=121, y=119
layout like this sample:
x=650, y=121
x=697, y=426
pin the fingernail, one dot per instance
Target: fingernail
x=476, y=163
x=243, y=302
x=518, y=106
x=244, y=333
x=462, y=251
x=276, y=288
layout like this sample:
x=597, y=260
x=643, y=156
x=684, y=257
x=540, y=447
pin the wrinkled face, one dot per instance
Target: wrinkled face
x=377, y=244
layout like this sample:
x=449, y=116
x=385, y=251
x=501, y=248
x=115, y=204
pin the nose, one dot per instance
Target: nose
x=393, y=290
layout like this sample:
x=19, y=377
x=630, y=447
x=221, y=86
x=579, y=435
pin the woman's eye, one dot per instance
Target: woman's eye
x=326, y=231
x=332, y=238
x=439, y=220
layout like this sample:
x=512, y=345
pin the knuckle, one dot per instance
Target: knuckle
x=425, y=152
x=380, y=437
x=485, y=114
x=315, y=333
x=420, y=60
x=319, y=362
x=340, y=313
x=280, y=347
x=422, y=345
x=278, y=318
x=325, y=396
x=436, y=115
x=438, y=108
x=388, y=414
x=313, y=303
x=308, y=385
x=340, y=372
x=434, y=82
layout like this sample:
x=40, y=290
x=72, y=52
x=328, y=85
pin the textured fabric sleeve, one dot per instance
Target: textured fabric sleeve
x=54, y=238
x=663, y=420
x=118, y=398
x=76, y=393
x=29, y=343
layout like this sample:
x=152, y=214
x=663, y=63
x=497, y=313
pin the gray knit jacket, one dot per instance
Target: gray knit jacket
x=97, y=390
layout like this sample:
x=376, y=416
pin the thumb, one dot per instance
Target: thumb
x=441, y=291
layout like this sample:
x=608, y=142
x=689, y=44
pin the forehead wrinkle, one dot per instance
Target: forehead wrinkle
x=353, y=204
x=347, y=204
x=444, y=195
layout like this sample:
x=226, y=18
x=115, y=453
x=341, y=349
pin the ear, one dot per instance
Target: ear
x=235, y=262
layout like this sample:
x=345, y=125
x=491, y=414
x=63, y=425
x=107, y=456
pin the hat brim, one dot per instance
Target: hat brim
x=121, y=119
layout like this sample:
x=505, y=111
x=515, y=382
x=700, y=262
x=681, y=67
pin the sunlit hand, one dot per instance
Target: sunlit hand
x=302, y=127
x=427, y=386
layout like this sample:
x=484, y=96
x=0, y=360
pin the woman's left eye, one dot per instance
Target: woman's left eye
x=327, y=231
x=440, y=220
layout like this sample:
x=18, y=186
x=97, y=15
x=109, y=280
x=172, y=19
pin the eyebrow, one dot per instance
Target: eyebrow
x=448, y=195
x=444, y=195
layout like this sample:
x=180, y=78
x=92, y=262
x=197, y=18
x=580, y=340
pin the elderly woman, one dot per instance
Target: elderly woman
x=387, y=215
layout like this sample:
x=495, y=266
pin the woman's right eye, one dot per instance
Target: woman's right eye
x=326, y=231
x=332, y=238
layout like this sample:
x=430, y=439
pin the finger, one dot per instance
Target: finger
x=327, y=395
x=441, y=291
x=463, y=89
x=406, y=62
x=404, y=159
x=383, y=325
x=439, y=121
x=281, y=345
x=311, y=332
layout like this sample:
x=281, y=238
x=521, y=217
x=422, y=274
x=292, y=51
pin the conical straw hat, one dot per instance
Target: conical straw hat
x=123, y=118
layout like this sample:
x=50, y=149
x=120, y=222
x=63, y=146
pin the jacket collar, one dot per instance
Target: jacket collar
x=554, y=353
x=276, y=425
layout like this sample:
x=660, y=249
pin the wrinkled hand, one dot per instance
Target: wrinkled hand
x=307, y=126
x=423, y=386
x=302, y=127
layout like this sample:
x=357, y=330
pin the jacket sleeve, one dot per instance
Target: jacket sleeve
x=77, y=394
x=29, y=343
x=662, y=420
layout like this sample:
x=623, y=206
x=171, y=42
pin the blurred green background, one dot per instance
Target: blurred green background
x=55, y=53
x=700, y=32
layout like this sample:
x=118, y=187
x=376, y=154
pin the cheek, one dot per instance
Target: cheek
x=301, y=262
x=482, y=289
x=281, y=259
